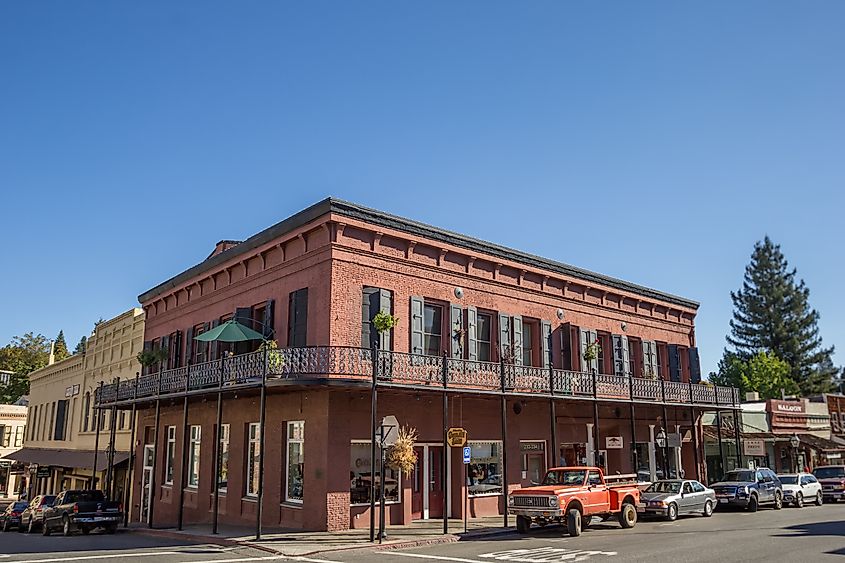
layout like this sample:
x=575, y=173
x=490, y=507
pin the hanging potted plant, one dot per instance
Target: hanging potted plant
x=384, y=321
x=592, y=351
x=401, y=455
x=275, y=359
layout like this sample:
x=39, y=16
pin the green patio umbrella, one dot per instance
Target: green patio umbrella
x=230, y=331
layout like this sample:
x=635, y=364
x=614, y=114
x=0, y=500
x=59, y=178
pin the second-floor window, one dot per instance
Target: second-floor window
x=527, y=344
x=432, y=329
x=298, y=318
x=485, y=330
x=19, y=431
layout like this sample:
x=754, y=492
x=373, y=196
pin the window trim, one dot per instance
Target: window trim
x=220, y=442
x=194, y=456
x=169, y=462
x=426, y=335
x=499, y=450
x=256, y=441
x=288, y=442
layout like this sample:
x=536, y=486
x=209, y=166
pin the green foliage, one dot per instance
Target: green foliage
x=60, y=351
x=772, y=314
x=384, y=321
x=592, y=351
x=275, y=359
x=80, y=348
x=149, y=358
x=23, y=355
x=764, y=373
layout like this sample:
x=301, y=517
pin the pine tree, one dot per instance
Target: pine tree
x=60, y=351
x=80, y=348
x=772, y=314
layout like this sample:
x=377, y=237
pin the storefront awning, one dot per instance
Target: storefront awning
x=711, y=433
x=82, y=459
x=821, y=444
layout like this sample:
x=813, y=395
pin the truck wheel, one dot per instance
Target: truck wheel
x=753, y=505
x=523, y=523
x=778, y=500
x=672, y=512
x=573, y=522
x=628, y=515
x=66, y=526
x=585, y=522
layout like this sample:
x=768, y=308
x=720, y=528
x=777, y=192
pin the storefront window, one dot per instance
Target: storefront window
x=295, y=460
x=171, y=454
x=253, y=459
x=223, y=477
x=194, y=457
x=360, y=476
x=485, y=470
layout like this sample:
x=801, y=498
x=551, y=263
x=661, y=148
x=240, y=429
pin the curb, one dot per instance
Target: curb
x=197, y=538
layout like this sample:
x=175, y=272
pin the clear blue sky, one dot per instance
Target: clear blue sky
x=652, y=141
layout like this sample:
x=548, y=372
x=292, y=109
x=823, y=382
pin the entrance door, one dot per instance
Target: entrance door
x=435, y=481
x=417, y=482
x=146, y=488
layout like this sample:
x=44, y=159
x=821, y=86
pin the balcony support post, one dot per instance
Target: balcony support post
x=504, y=442
x=737, y=434
x=127, y=488
x=155, y=453
x=183, y=466
x=218, y=435
x=552, y=419
x=634, y=460
x=97, y=422
x=109, y=488
x=373, y=425
x=262, y=433
x=695, y=442
x=721, y=445
x=444, y=465
x=595, y=421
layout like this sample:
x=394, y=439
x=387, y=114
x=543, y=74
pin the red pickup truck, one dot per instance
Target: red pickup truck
x=573, y=495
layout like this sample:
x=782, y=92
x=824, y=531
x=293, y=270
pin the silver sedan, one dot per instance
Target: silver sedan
x=670, y=498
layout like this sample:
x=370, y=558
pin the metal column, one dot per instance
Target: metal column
x=183, y=467
x=262, y=416
x=737, y=433
x=97, y=438
x=127, y=493
x=721, y=446
x=504, y=443
x=373, y=424
x=217, y=452
x=109, y=488
x=155, y=452
x=444, y=461
x=553, y=447
x=695, y=442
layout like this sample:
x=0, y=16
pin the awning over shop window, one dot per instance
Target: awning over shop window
x=821, y=444
x=82, y=459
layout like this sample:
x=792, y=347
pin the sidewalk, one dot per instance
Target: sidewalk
x=295, y=543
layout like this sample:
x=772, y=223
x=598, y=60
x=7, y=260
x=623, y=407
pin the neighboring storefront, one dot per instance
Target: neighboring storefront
x=12, y=429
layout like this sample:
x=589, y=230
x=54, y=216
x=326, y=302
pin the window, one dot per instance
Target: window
x=194, y=457
x=373, y=301
x=361, y=476
x=253, y=459
x=298, y=318
x=171, y=454
x=697, y=487
x=5, y=436
x=122, y=420
x=485, y=329
x=527, y=344
x=432, y=329
x=87, y=414
x=485, y=471
x=687, y=490
x=651, y=368
x=19, y=431
x=223, y=476
x=294, y=461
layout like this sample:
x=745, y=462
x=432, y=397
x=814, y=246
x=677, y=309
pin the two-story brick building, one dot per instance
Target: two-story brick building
x=542, y=363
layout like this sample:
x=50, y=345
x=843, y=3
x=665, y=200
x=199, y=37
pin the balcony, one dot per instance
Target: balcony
x=316, y=364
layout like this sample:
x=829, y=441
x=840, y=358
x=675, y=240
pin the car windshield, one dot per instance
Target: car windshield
x=565, y=477
x=829, y=472
x=739, y=476
x=664, y=487
x=788, y=479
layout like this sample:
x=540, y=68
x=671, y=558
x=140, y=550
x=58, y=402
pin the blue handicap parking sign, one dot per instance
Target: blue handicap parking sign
x=467, y=454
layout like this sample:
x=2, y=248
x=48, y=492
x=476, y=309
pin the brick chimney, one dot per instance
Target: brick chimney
x=223, y=246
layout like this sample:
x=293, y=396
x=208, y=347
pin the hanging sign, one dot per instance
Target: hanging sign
x=456, y=437
x=754, y=447
x=613, y=442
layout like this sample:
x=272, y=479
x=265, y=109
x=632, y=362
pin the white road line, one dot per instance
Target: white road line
x=436, y=557
x=267, y=558
x=89, y=557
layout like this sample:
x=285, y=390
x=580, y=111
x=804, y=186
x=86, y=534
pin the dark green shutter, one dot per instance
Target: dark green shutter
x=674, y=363
x=385, y=303
x=189, y=346
x=546, y=343
x=517, y=340
x=472, y=333
x=694, y=365
x=210, y=347
x=298, y=318
x=416, y=324
x=165, y=345
x=621, y=355
x=269, y=328
x=456, y=330
x=367, y=330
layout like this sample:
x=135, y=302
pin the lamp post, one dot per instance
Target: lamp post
x=794, y=442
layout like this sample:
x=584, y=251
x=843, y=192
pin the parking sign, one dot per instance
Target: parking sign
x=467, y=454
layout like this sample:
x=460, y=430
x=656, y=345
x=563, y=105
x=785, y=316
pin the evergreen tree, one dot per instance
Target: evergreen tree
x=80, y=348
x=60, y=350
x=772, y=314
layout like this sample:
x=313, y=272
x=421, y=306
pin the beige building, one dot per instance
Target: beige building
x=61, y=439
x=12, y=430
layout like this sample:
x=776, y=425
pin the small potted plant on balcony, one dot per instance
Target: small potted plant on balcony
x=275, y=360
x=591, y=351
x=149, y=358
x=384, y=321
x=401, y=455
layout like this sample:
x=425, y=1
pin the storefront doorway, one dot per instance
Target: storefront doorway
x=146, y=487
x=427, y=482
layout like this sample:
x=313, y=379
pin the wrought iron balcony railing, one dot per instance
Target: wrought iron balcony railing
x=399, y=369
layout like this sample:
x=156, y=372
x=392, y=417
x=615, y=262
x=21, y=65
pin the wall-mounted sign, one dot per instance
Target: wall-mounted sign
x=755, y=448
x=613, y=442
x=43, y=472
x=456, y=437
x=528, y=447
x=788, y=407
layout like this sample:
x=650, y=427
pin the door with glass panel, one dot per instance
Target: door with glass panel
x=146, y=483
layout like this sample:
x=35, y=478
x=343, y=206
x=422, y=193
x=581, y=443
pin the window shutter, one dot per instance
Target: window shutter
x=546, y=343
x=456, y=326
x=694, y=365
x=385, y=303
x=472, y=334
x=268, y=330
x=504, y=336
x=148, y=345
x=517, y=340
x=583, y=340
x=298, y=318
x=175, y=351
x=367, y=314
x=593, y=336
x=165, y=345
x=618, y=361
x=243, y=315
x=674, y=363
x=60, y=421
x=189, y=346
x=417, y=325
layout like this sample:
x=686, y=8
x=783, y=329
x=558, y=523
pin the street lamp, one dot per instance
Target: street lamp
x=661, y=443
x=794, y=442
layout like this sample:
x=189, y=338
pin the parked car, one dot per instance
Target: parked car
x=800, y=488
x=11, y=517
x=749, y=488
x=33, y=517
x=671, y=498
x=832, y=479
x=83, y=511
x=572, y=496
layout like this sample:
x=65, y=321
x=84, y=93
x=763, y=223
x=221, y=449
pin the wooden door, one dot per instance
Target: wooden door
x=435, y=482
x=417, y=483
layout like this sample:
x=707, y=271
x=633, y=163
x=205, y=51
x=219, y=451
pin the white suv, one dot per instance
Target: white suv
x=800, y=488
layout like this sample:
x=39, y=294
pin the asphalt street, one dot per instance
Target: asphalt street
x=808, y=534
